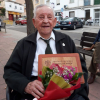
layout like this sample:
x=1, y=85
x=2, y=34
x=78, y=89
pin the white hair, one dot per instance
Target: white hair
x=42, y=5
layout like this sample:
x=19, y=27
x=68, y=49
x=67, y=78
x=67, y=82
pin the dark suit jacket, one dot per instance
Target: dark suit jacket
x=17, y=71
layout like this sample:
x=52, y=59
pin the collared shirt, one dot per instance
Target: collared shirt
x=41, y=46
x=97, y=38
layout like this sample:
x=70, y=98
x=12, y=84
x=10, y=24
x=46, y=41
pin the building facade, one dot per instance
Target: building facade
x=77, y=8
x=14, y=9
x=64, y=8
x=37, y=2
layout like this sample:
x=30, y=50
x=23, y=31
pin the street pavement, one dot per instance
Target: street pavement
x=7, y=43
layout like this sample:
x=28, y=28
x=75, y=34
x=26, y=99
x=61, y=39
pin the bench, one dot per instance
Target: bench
x=87, y=40
x=3, y=25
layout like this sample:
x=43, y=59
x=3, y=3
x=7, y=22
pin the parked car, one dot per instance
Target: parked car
x=70, y=22
x=21, y=21
x=59, y=18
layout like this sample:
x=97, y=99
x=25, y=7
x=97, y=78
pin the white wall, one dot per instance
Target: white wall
x=80, y=13
x=92, y=2
x=81, y=2
x=67, y=2
x=12, y=8
x=65, y=13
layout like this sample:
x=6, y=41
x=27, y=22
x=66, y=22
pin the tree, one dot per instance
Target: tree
x=29, y=12
x=3, y=11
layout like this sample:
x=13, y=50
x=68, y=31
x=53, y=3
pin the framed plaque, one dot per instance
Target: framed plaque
x=68, y=59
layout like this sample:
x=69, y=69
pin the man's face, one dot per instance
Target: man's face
x=44, y=21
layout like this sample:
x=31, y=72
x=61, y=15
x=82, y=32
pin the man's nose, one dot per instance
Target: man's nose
x=45, y=20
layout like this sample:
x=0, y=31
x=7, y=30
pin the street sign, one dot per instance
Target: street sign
x=62, y=12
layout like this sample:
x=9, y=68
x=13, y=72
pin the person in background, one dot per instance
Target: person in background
x=95, y=62
x=21, y=70
x=89, y=21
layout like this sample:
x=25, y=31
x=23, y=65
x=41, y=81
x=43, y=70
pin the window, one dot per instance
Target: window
x=71, y=1
x=57, y=13
x=15, y=7
x=20, y=8
x=36, y=1
x=86, y=2
x=9, y=5
x=58, y=2
x=75, y=19
x=97, y=15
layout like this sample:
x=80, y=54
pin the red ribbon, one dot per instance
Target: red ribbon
x=54, y=92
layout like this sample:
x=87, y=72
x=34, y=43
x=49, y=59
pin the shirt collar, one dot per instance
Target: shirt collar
x=52, y=36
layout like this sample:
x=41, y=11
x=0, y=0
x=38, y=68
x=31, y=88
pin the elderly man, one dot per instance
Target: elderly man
x=21, y=70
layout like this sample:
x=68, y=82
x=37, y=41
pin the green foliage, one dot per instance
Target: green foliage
x=3, y=11
x=76, y=76
x=46, y=79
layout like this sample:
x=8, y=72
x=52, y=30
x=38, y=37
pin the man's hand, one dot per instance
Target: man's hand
x=87, y=48
x=98, y=68
x=35, y=88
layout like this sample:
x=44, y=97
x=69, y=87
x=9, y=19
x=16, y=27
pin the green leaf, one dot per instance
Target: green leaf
x=41, y=77
x=45, y=85
x=49, y=69
x=80, y=74
x=76, y=76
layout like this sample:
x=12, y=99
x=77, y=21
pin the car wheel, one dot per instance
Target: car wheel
x=74, y=27
x=61, y=28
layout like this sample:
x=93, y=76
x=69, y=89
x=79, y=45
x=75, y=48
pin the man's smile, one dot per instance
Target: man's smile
x=46, y=26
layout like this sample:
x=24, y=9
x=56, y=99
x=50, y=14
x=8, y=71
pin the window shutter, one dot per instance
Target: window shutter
x=96, y=2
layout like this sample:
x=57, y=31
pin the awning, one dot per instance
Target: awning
x=14, y=13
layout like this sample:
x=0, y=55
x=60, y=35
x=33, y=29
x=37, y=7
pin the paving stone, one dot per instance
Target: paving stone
x=91, y=97
x=94, y=87
x=1, y=80
x=2, y=91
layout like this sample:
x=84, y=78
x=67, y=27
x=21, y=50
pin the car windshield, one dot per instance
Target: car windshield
x=21, y=19
x=68, y=19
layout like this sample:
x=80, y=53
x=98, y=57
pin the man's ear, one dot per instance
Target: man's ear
x=34, y=22
x=55, y=21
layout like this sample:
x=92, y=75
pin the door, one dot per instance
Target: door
x=11, y=17
x=72, y=14
x=87, y=15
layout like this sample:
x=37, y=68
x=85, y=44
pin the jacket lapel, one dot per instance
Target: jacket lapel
x=31, y=54
x=59, y=41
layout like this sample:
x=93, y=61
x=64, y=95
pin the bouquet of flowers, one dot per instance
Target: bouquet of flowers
x=57, y=81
